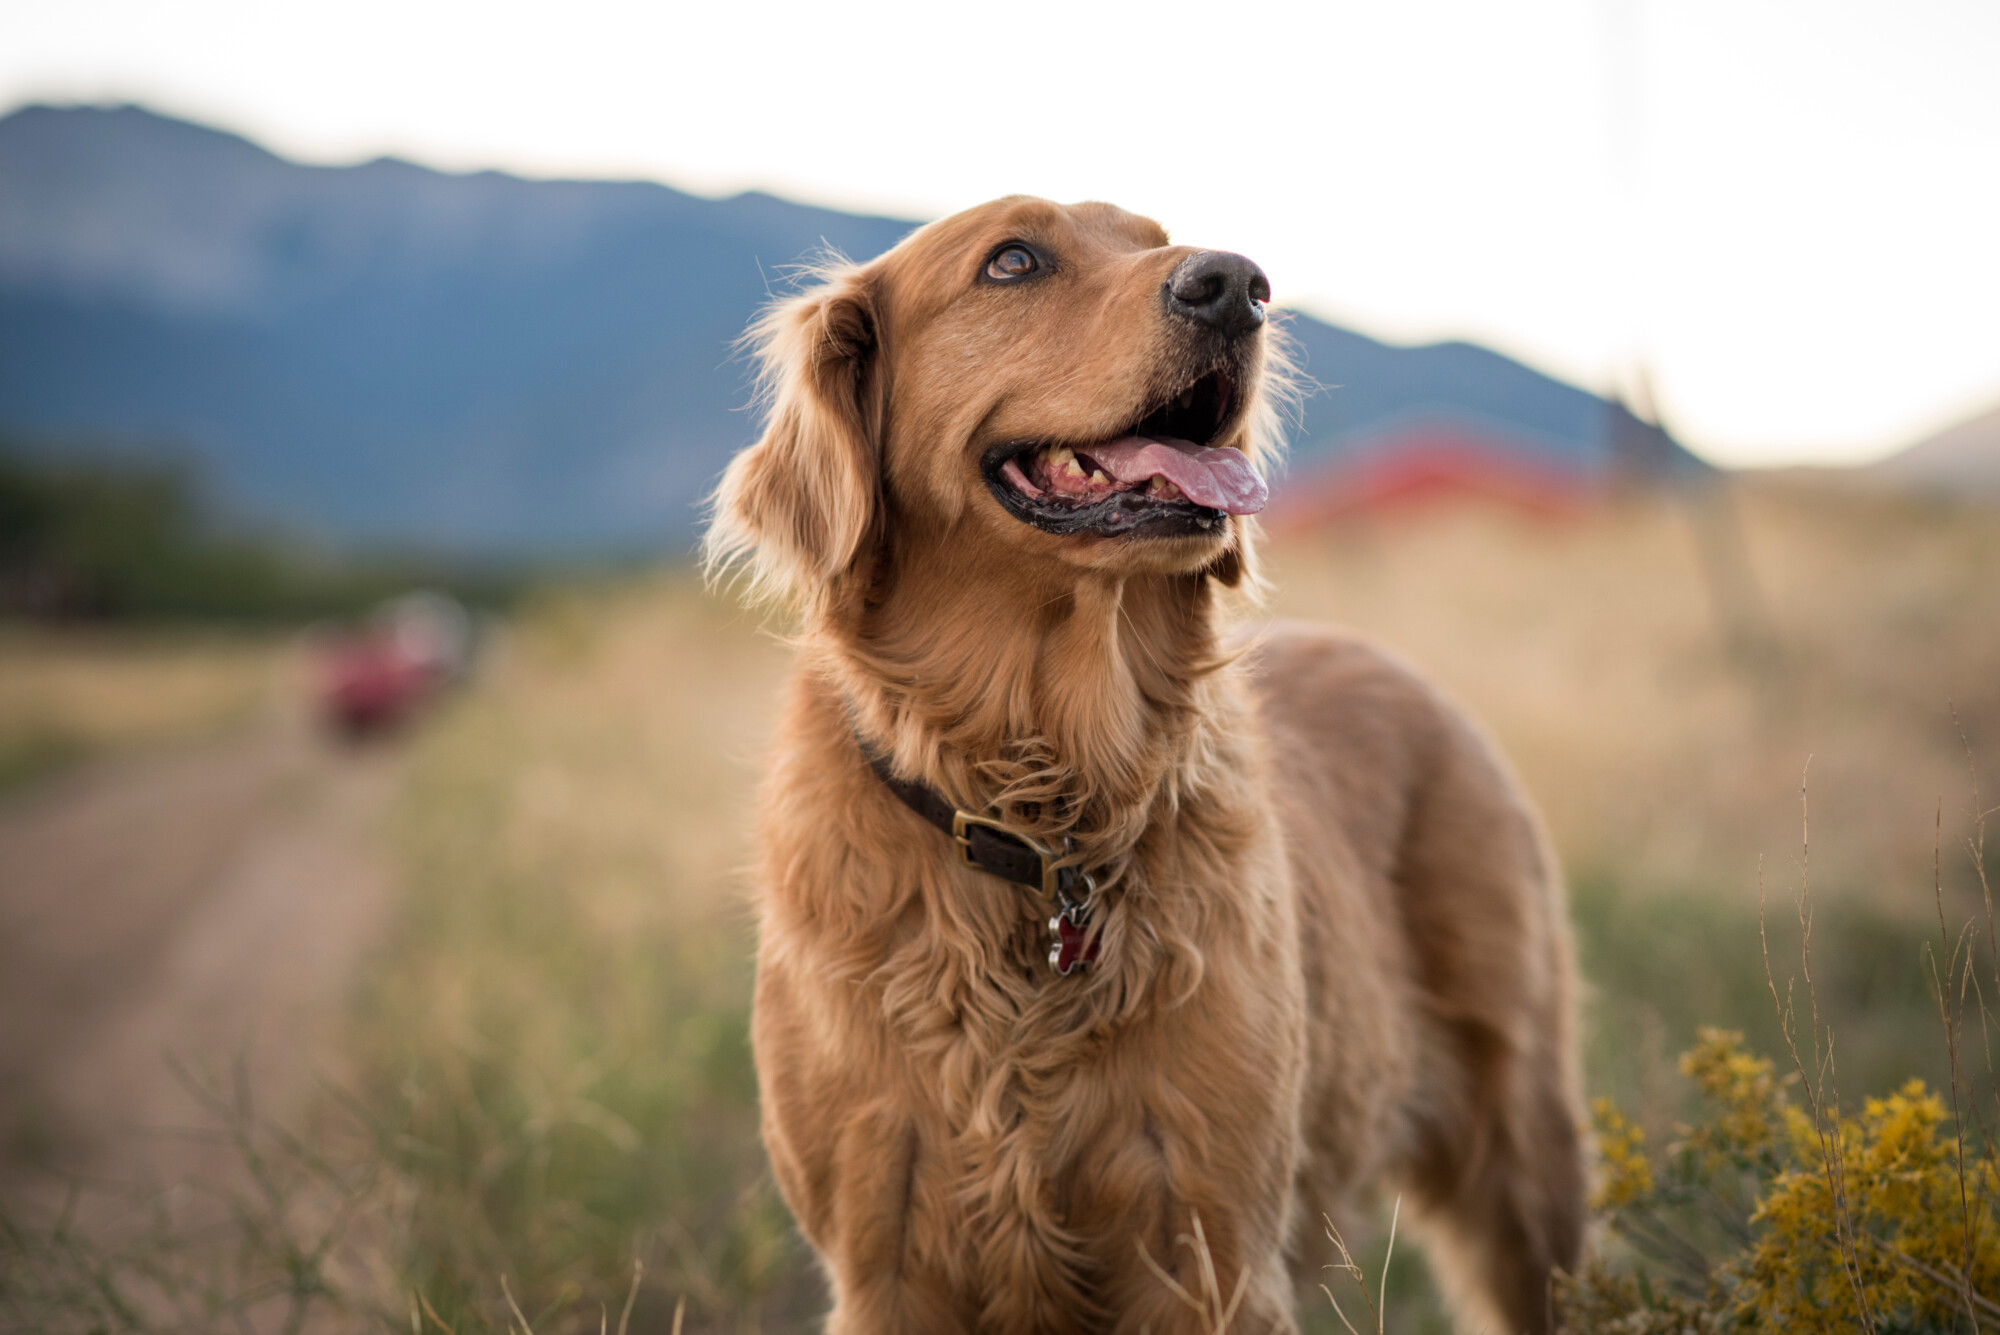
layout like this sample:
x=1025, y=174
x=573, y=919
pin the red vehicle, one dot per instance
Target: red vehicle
x=377, y=677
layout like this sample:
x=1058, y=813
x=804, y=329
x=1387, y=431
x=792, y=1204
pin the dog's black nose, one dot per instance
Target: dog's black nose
x=1222, y=290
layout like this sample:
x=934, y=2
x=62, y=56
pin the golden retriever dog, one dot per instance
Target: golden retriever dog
x=1085, y=931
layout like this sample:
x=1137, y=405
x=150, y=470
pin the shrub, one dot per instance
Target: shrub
x=1773, y=1211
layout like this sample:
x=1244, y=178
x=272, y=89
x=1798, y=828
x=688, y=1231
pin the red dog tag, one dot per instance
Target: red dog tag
x=1074, y=946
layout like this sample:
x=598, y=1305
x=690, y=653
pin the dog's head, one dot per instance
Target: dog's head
x=1057, y=384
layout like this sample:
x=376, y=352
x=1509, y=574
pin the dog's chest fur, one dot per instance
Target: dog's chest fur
x=942, y=1107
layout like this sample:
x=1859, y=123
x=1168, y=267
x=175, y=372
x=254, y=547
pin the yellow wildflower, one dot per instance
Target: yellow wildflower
x=1747, y=1092
x=1628, y=1174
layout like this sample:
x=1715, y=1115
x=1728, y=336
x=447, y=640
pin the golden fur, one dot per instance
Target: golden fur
x=1334, y=953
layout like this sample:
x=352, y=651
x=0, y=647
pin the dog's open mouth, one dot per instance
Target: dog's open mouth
x=1160, y=476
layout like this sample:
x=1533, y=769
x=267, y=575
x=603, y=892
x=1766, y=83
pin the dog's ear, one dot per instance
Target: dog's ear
x=797, y=508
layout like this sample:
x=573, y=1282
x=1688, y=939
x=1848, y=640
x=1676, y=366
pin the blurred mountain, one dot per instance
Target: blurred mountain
x=382, y=350
x=1962, y=460
x=488, y=364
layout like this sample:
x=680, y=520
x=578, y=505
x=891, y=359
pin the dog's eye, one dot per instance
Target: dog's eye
x=1013, y=262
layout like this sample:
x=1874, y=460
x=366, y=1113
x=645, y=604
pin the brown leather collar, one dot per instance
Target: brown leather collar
x=987, y=845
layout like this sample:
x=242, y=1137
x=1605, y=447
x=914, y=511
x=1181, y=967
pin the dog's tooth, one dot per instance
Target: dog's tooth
x=1071, y=468
x=1097, y=476
x=1060, y=456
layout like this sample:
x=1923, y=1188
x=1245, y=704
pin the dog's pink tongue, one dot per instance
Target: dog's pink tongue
x=1220, y=479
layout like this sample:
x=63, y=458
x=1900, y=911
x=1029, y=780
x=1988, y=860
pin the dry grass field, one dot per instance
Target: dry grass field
x=564, y=1020
x=65, y=694
x=551, y=1071
x=1670, y=717
x=1665, y=756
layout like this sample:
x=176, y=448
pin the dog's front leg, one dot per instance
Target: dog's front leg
x=879, y=1252
x=1203, y=1291
x=849, y=1152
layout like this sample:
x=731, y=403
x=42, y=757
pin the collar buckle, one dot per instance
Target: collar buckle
x=964, y=822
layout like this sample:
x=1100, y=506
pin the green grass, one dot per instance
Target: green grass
x=1659, y=967
x=34, y=754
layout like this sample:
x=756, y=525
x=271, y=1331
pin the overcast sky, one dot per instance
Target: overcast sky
x=1789, y=210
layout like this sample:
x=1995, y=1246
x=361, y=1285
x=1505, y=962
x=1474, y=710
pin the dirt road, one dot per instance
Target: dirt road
x=204, y=903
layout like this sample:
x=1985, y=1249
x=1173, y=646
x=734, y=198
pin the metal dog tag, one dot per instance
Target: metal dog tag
x=1073, y=947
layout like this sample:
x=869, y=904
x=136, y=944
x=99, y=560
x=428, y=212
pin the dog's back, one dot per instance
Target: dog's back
x=1451, y=1072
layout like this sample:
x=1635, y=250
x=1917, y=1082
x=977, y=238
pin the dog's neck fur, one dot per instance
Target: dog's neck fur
x=1076, y=703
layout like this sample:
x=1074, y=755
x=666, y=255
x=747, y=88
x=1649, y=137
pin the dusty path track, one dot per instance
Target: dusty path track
x=207, y=902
